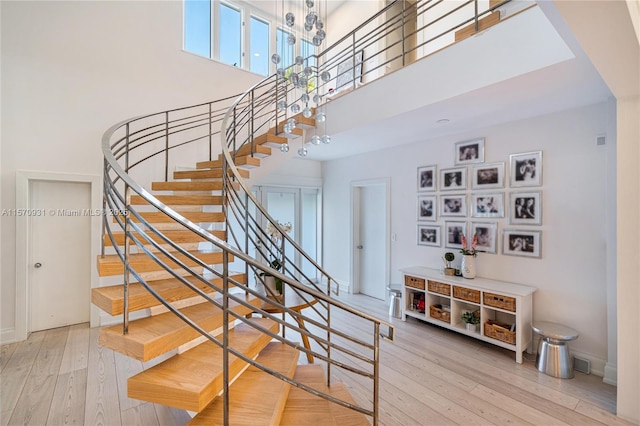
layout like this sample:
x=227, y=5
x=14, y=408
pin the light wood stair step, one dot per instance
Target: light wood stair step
x=243, y=161
x=256, y=398
x=180, y=237
x=111, y=298
x=305, y=408
x=112, y=265
x=195, y=217
x=152, y=336
x=191, y=380
x=187, y=186
x=259, y=151
x=296, y=133
x=181, y=200
x=206, y=174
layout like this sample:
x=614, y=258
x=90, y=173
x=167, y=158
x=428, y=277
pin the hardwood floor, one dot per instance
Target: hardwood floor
x=429, y=376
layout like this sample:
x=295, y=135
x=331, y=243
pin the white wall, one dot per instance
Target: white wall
x=69, y=71
x=570, y=276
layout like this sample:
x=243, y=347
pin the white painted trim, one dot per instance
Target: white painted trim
x=355, y=217
x=610, y=374
x=23, y=178
x=8, y=335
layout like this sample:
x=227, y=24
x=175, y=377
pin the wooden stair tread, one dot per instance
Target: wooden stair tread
x=191, y=380
x=111, y=298
x=152, y=336
x=111, y=264
x=297, y=132
x=305, y=408
x=180, y=237
x=195, y=217
x=483, y=23
x=186, y=186
x=181, y=200
x=259, y=151
x=256, y=398
x=245, y=161
x=206, y=174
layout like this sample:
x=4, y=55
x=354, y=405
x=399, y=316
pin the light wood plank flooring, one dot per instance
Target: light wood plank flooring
x=429, y=376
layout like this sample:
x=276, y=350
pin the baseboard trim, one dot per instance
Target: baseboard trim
x=610, y=374
x=7, y=335
x=597, y=364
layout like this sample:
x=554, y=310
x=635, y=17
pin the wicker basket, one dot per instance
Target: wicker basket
x=441, y=288
x=466, y=294
x=499, y=331
x=414, y=282
x=439, y=313
x=498, y=301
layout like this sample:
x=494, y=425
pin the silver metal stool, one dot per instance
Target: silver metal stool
x=395, y=303
x=553, y=357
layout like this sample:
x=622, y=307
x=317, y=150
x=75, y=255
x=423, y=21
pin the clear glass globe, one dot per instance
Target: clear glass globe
x=302, y=152
x=280, y=72
x=282, y=105
x=287, y=128
x=309, y=3
x=292, y=121
x=326, y=139
x=321, y=117
x=302, y=82
x=317, y=98
x=325, y=76
x=308, y=70
x=299, y=60
x=315, y=140
x=290, y=19
x=311, y=18
x=317, y=41
x=295, y=108
x=319, y=24
x=291, y=39
x=307, y=113
x=284, y=147
x=321, y=34
x=308, y=27
x=294, y=78
x=275, y=58
x=304, y=98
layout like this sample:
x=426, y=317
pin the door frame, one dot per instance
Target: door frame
x=23, y=238
x=354, y=285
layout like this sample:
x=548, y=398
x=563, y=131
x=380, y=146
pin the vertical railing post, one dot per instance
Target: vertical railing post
x=251, y=121
x=225, y=307
x=126, y=277
x=210, y=134
x=105, y=191
x=404, y=2
x=166, y=146
x=475, y=4
x=376, y=372
x=353, y=60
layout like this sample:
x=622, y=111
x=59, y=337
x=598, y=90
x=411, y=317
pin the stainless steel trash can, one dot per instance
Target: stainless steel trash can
x=395, y=302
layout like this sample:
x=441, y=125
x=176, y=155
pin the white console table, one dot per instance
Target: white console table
x=505, y=308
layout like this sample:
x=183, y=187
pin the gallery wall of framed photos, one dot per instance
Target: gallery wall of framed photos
x=500, y=202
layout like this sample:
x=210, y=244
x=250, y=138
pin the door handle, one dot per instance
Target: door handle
x=37, y=265
x=359, y=247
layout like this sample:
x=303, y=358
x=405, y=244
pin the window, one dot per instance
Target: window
x=230, y=35
x=307, y=49
x=284, y=49
x=197, y=27
x=259, y=46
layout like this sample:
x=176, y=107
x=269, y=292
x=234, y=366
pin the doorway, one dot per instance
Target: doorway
x=370, y=237
x=57, y=244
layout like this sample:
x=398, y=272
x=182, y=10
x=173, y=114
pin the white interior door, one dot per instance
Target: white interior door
x=59, y=254
x=371, y=240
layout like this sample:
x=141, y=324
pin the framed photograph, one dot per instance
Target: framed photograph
x=487, y=176
x=487, y=236
x=453, y=205
x=345, y=73
x=525, y=208
x=427, y=207
x=427, y=178
x=525, y=169
x=429, y=235
x=487, y=205
x=516, y=242
x=471, y=151
x=453, y=179
x=453, y=234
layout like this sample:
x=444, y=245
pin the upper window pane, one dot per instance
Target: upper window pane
x=230, y=35
x=285, y=50
x=259, y=46
x=197, y=27
x=306, y=50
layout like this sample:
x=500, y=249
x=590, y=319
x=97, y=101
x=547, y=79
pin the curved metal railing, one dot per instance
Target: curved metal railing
x=152, y=145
